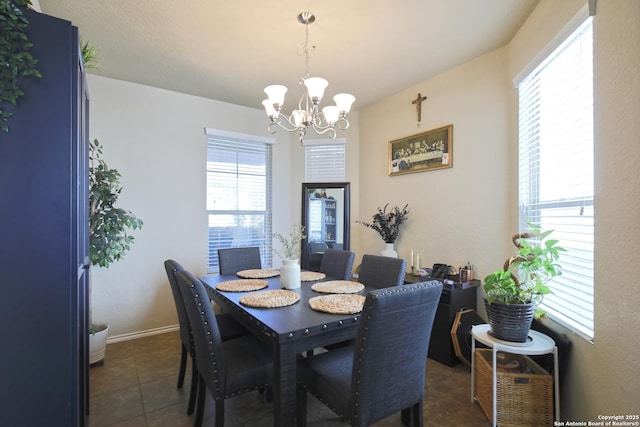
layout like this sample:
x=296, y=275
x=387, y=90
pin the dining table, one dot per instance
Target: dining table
x=290, y=331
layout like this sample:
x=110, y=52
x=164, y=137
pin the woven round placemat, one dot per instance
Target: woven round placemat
x=310, y=276
x=337, y=303
x=242, y=285
x=258, y=273
x=338, y=287
x=270, y=299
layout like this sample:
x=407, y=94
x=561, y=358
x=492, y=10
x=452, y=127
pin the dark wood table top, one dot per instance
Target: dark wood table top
x=284, y=323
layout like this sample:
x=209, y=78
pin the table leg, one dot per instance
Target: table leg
x=495, y=386
x=556, y=382
x=284, y=385
x=473, y=367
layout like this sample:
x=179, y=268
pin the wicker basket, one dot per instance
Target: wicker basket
x=524, y=394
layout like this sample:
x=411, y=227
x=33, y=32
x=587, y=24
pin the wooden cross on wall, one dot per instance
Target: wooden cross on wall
x=418, y=103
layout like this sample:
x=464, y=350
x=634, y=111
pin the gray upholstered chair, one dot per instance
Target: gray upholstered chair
x=383, y=372
x=316, y=253
x=229, y=329
x=225, y=369
x=337, y=264
x=381, y=272
x=232, y=260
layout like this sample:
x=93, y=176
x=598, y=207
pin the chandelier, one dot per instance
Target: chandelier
x=308, y=114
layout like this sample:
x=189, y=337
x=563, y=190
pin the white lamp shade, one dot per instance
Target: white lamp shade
x=268, y=107
x=315, y=87
x=331, y=114
x=276, y=93
x=298, y=117
x=344, y=101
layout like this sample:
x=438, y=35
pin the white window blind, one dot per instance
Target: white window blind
x=325, y=160
x=556, y=177
x=238, y=196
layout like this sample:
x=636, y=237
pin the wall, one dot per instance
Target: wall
x=599, y=380
x=470, y=210
x=456, y=213
x=156, y=139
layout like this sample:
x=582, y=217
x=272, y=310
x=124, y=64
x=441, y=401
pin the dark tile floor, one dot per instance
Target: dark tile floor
x=136, y=387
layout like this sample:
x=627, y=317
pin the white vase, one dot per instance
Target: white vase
x=98, y=345
x=290, y=274
x=389, y=251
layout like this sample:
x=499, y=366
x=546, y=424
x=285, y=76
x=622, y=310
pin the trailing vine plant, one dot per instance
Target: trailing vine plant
x=16, y=60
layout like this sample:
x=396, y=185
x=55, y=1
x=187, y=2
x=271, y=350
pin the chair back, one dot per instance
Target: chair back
x=337, y=264
x=206, y=334
x=232, y=260
x=390, y=356
x=381, y=272
x=172, y=267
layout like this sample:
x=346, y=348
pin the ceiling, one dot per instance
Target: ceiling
x=229, y=51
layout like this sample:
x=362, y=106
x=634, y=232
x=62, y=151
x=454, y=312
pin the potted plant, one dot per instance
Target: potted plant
x=289, y=252
x=387, y=224
x=15, y=55
x=513, y=292
x=109, y=240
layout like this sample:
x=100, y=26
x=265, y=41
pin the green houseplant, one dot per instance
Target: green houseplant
x=16, y=60
x=109, y=225
x=513, y=292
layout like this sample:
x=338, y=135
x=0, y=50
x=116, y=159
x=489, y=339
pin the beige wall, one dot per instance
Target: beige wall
x=156, y=139
x=469, y=212
x=454, y=211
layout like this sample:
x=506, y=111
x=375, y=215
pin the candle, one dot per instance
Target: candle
x=411, y=259
x=418, y=263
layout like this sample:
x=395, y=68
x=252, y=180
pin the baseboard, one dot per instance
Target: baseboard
x=141, y=334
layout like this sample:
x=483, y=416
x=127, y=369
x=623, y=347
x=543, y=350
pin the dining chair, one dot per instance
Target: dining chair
x=381, y=272
x=229, y=329
x=383, y=372
x=232, y=260
x=337, y=264
x=316, y=253
x=226, y=369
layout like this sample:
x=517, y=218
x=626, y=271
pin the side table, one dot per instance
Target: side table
x=539, y=344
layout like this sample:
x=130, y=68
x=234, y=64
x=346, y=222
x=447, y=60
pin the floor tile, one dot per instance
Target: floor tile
x=136, y=387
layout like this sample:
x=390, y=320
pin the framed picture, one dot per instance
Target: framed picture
x=422, y=152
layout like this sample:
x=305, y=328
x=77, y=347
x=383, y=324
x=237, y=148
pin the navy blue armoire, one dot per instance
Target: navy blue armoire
x=44, y=238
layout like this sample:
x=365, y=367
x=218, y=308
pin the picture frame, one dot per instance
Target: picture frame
x=425, y=151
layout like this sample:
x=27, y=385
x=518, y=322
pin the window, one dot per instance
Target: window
x=324, y=160
x=238, y=194
x=556, y=180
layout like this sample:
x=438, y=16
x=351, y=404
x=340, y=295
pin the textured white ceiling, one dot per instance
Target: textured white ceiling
x=231, y=50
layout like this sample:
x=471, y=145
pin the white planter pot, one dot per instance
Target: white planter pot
x=98, y=345
x=290, y=274
x=389, y=251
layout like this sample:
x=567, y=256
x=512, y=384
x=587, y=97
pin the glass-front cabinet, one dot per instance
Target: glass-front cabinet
x=322, y=220
x=325, y=217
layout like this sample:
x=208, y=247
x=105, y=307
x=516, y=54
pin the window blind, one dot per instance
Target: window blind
x=556, y=175
x=325, y=160
x=238, y=196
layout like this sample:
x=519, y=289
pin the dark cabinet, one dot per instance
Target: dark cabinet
x=455, y=297
x=453, y=300
x=44, y=237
